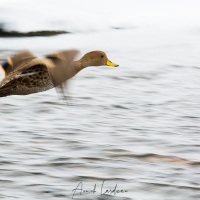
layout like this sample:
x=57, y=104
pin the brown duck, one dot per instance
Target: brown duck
x=27, y=74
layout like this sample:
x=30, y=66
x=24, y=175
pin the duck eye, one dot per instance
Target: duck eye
x=102, y=56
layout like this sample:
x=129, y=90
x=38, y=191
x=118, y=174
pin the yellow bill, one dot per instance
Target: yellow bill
x=111, y=64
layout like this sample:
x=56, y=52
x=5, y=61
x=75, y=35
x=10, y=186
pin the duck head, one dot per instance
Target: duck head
x=96, y=58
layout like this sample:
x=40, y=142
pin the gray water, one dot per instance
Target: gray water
x=136, y=126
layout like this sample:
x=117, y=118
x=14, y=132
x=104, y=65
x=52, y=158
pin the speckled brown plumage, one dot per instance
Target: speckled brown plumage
x=27, y=84
x=27, y=74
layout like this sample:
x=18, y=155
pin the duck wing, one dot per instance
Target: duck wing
x=62, y=68
x=59, y=66
x=16, y=61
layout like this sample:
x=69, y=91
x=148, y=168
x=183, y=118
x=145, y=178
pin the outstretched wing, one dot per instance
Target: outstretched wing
x=62, y=68
x=16, y=61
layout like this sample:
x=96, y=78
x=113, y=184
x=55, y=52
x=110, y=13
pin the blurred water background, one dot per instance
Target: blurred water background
x=136, y=126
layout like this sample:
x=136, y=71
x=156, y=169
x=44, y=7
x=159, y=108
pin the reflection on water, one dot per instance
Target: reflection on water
x=126, y=133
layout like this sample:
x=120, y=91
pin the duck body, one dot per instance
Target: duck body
x=24, y=82
x=26, y=74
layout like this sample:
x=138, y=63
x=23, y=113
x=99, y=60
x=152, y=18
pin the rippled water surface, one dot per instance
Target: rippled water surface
x=134, y=128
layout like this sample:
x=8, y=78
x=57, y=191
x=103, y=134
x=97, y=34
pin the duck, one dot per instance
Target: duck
x=26, y=74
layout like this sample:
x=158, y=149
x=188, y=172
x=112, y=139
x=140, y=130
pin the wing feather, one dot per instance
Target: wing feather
x=16, y=61
x=62, y=68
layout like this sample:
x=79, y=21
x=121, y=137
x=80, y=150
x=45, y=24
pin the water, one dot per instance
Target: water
x=136, y=126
